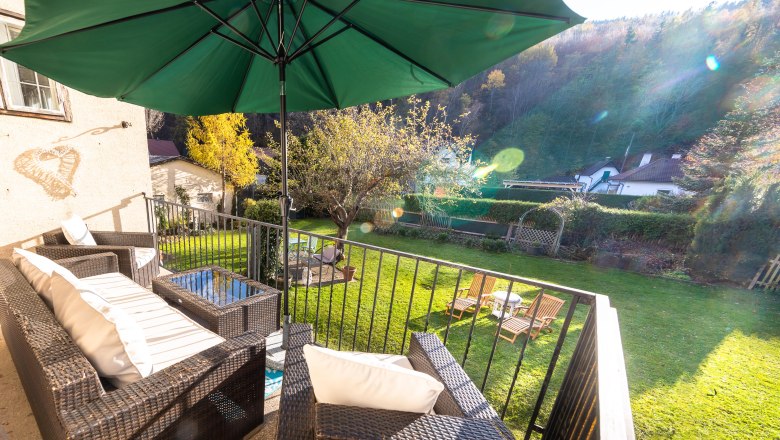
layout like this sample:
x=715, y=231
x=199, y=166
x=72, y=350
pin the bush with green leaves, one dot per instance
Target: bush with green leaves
x=546, y=196
x=265, y=240
x=668, y=204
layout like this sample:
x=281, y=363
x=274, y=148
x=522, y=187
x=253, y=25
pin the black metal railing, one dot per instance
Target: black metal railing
x=534, y=385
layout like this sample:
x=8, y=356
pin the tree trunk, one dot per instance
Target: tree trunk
x=222, y=210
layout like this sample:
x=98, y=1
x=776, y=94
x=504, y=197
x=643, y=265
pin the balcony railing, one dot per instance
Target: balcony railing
x=567, y=384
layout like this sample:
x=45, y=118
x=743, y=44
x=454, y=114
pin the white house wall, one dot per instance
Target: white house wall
x=647, y=188
x=90, y=166
x=194, y=179
x=595, y=177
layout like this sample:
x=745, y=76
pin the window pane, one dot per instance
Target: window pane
x=49, y=99
x=26, y=75
x=30, y=96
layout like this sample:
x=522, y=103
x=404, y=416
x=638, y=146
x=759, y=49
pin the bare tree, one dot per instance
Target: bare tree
x=154, y=122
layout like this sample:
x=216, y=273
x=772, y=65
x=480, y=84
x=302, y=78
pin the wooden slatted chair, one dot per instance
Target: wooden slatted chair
x=548, y=311
x=472, y=298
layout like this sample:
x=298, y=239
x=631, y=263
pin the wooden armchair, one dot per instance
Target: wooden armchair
x=548, y=311
x=472, y=299
x=131, y=248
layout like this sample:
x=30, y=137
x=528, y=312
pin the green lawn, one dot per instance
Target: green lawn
x=702, y=361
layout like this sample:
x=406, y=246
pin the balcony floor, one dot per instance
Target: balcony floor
x=17, y=420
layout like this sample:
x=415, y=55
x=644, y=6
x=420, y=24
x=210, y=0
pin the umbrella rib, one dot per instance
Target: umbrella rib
x=251, y=50
x=182, y=53
x=311, y=47
x=107, y=23
x=243, y=36
x=336, y=18
x=382, y=43
x=566, y=20
x=263, y=22
x=325, y=77
x=295, y=28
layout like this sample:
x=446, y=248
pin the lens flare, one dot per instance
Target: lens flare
x=508, y=159
x=712, y=63
x=499, y=25
x=484, y=171
x=600, y=117
x=366, y=227
x=398, y=212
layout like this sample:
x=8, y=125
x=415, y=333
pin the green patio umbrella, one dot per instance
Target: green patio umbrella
x=273, y=56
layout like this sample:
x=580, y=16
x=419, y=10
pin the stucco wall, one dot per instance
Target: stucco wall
x=647, y=188
x=193, y=178
x=103, y=168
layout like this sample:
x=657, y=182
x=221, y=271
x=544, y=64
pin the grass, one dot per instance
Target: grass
x=702, y=361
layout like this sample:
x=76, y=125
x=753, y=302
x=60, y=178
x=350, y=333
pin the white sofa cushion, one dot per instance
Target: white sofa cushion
x=170, y=335
x=76, y=232
x=144, y=255
x=38, y=269
x=108, y=336
x=343, y=378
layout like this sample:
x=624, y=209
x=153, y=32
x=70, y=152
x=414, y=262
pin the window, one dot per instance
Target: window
x=205, y=198
x=24, y=89
x=665, y=192
x=159, y=197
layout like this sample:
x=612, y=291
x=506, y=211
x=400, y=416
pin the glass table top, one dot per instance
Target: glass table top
x=218, y=287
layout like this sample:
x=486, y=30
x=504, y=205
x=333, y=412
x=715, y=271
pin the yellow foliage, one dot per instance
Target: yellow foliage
x=221, y=143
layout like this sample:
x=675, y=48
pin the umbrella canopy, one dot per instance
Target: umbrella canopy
x=207, y=57
x=204, y=57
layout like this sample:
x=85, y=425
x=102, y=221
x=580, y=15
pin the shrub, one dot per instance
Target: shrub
x=266, y=211
x=665, y=204
x=493, y=245
x=442, y=237
x=545, y=196
x=501, y=211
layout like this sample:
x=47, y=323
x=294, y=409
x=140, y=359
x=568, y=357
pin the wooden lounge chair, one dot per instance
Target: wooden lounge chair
x=548, y=310
x=472, y=299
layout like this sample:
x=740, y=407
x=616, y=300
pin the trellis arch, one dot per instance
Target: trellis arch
x=528, y=233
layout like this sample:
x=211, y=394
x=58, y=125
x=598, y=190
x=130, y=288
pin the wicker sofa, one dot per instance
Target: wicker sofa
x=217, y=393
x=461, y=410
x=123, y=244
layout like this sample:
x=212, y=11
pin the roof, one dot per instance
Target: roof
x=159, y=160
x=661, y=170
x=159, y=147
x=587, y=171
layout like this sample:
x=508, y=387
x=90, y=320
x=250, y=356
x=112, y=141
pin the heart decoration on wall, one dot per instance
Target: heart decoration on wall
x=52, y=168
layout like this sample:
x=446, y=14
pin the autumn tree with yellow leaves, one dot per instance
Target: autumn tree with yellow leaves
x=222, y=144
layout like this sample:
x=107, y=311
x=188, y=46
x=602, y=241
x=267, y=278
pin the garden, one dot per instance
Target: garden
x=701, y=360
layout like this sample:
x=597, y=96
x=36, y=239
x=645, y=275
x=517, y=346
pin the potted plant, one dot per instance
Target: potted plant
x=537, y=248
x=349, y=272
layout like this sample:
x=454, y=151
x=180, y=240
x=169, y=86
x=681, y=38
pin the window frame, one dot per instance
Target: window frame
x=15, y=20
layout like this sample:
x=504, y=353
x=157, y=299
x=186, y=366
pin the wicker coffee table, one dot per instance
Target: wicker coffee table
x=231, y=304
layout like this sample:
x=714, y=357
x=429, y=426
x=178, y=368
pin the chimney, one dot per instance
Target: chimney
x=677, y=156
x=646, y=159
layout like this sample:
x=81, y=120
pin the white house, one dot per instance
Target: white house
x=650, y=178
x=202, y=185
x=595, y=178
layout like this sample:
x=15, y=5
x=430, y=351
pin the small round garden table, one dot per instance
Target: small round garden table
x=510, y=300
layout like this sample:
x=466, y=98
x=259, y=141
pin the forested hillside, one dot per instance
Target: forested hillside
x=582, y=95
x=578, y=97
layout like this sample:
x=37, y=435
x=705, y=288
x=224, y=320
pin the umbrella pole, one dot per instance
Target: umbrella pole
x=284, y=201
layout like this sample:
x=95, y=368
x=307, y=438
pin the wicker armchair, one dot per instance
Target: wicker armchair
x=217, y=393
x=461, y=410
x=122, y=244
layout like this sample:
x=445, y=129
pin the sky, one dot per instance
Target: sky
x=607, y=9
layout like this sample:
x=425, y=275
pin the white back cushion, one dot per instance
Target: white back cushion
x=111, y=340
x=76, y=232
x=38, y=269
x=345, y=379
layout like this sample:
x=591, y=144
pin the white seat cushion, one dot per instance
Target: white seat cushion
x=108, y=336
x=38, y=269
x=170, y=335
x=144, y=255
x=76, y=232
x=362, y=380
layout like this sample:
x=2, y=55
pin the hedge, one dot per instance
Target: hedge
x=501, y=211
x=544, y=196
x=584, y=226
